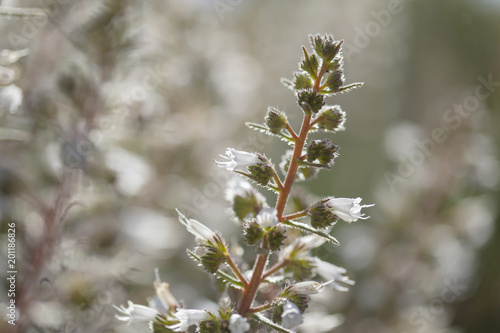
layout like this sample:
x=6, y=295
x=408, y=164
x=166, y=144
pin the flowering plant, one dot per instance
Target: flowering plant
x=279, y=235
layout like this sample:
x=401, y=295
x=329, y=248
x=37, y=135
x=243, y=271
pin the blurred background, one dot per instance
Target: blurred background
x=112, y=112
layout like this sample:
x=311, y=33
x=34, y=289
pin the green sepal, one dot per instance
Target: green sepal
x=301, y=269
x=309, y=229
x=252, y=233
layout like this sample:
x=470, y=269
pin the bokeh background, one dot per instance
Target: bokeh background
x=112, y=111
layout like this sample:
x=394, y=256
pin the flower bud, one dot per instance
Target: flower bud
x=252, y=233
x=244, y=198
x=310, y=100
x=275, y=237
x=301, y=269
x=302, y=81
x=335, y=80
x=307, y=173
x=326, y=47
x=322, y=150
x=333, y=119
x=208, y=326
x=322, y=216
x=275, y=120
x=211, y=257
x=262, y=172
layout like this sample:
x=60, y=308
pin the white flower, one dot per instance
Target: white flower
x=238, y=159
x=267, y=217
x=238, y=324
x=188, y=317
x=237, y=186
x=332, y=273
x=291, y=316
x=163, y=293
x=203, y=233
x=308, y=287
x=347, y=209
x=135, y=313
x=11, y=98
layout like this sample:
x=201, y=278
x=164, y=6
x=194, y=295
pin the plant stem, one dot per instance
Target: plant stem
x=294, y=166
x=274, y=269
x=296, y=215
x=236, y=271
x=250, y=292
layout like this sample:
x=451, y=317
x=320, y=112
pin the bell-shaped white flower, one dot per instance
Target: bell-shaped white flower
x=308, y=287
x=347, y=209
x=267, y=217
x=203, y=233
x=135, y=313
x=11, y=98
x=188, y=317
x=291, y=316
x=237, y=159
x=332, y=273
x=238, y=324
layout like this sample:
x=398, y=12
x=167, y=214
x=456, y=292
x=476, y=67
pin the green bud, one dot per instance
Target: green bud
x=322, y=216
x=301, y=300
x=322, y=150
x=252, y=233
x=275, y=237
x=309, y=64
x=302, y=81
x=224, y=326
x=310, y=100
x=275, y=120
x=326, y=47
x=307, y=173
x=277, y=312
x=301, y=269
x=263, y=172
x=335, y=80
x=333, y=119
x=208, y=326
x=211, y=257
x=243, y=206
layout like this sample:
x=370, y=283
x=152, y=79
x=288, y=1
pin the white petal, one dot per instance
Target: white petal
x=267, y=217
x=238, y=324
x=198, y=229
x=291, y=316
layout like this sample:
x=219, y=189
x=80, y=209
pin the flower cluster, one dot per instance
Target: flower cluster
x=281, y=239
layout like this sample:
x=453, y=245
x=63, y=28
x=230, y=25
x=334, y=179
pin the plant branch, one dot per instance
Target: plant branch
x=236, y=271
x=274, y=269
x=296, y=215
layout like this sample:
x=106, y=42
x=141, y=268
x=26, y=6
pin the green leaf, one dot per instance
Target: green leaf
x=266, y=130
x=308, y=228
x=309, y=64
x=343, y=89
x=266, y=321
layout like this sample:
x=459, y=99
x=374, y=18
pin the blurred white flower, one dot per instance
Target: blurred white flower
x=291, y=316
x=238, y=324
x=332, y=273
x=164, y=294
x=237, y=159
x=267, y=217
x=237, y=186
x=347, y=209
x=188, y=317
x=11, y=98
x=135, y=313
